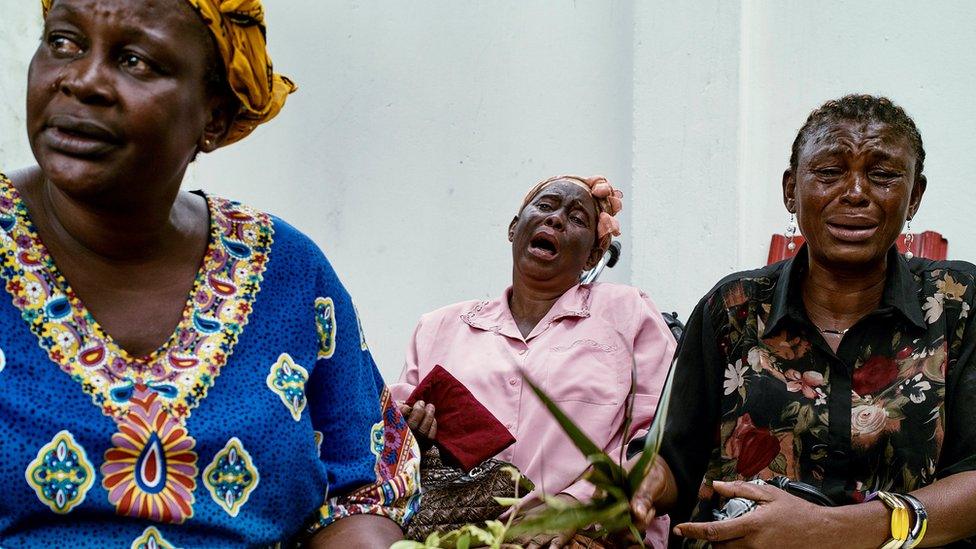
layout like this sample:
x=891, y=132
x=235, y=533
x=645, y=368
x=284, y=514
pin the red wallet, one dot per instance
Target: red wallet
x=466, y=431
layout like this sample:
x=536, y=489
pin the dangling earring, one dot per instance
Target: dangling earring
x=791, y=232
x=909, y=237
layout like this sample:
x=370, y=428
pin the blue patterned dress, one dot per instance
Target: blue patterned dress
x=261, y=419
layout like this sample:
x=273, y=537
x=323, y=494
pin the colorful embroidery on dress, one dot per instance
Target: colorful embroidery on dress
x=287, y=379
x=182, y=370
x=325, y=323
x=376, y=436
x=151, y=539
x=61, y=474
x=231, y=477
x=150, y=472
x=395, y=493
x=319, y=437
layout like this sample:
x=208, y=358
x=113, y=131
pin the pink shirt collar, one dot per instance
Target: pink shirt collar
x=496, y=315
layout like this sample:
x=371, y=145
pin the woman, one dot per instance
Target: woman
x=214, y=388
x=579, y=342
x=849, y=367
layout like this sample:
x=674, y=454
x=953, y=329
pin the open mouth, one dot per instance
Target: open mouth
x=544, y=245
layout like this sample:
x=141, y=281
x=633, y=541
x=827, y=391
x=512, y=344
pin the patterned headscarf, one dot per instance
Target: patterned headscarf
x=238, y=29
x=608, y=202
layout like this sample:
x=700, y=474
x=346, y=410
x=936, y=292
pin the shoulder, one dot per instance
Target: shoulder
x=294, y=263
x=933, y=268
x=618, y=298
x=245, y=219
x=951, y=279
x=741, y=287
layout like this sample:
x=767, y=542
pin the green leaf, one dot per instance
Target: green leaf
x=629, y=414
x=579, y=438
x=507, y=502
x=609, y=467
x=464, y=542
x=408, y=544
x=615, y=517
x=637, y=535
x=652, y=442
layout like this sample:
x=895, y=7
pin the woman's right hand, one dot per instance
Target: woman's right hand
x=654, y=490
x=420, y=419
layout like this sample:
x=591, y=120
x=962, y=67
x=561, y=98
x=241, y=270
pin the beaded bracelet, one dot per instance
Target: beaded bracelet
x=920, y=524
x=900, y=520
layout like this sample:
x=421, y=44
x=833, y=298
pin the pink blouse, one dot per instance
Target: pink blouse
x=579, y=353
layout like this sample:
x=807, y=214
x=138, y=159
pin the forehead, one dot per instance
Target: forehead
x=852, y=137
x=566, y=191
x=172, y=20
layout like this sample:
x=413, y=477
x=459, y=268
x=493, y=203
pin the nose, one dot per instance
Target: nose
x=556, y=220
x=854, y=189
x=87, y=79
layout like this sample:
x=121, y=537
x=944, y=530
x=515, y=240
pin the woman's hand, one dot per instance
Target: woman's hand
x=420, y=419
x=781, y=520
x=656, y=490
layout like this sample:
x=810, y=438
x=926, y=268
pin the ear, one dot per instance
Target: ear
x=219, y=121
x=789, y=191
x=591, y=260
x=918, y=189
x=511, y=229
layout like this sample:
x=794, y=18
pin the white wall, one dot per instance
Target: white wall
x=720, y=89
x=418, y=127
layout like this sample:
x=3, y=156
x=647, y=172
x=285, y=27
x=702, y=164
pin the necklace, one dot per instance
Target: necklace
x=826, y=331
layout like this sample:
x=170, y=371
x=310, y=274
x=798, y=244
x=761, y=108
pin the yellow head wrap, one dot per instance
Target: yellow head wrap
x=239, y=31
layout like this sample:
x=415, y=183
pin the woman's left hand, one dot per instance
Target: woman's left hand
x=781, y=520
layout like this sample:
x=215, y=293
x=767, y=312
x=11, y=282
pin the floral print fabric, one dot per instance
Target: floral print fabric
x=890, y=410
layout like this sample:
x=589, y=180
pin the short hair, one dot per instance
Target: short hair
x=861, y=108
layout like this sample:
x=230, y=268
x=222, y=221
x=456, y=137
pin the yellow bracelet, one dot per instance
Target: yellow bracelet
x=900, y=520
x=920, y=522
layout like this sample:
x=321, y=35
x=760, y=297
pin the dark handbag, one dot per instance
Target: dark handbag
x=452, y=498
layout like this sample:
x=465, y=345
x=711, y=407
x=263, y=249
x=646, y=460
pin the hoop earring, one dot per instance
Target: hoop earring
x=791, y=232
x=909, y=239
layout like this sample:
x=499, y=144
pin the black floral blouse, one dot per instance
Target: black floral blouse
x=759, y=393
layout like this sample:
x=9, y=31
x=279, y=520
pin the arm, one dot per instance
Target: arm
x=783, y=520
x=693, y=415
x=654, y=348
x=368, y=531
x=370, y=454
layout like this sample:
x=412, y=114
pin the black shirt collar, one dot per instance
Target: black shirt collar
x=900, y=291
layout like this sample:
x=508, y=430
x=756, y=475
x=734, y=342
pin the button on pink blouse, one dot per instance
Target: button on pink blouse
x=579, y=353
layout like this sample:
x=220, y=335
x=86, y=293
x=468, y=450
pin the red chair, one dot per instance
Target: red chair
x=927, y=244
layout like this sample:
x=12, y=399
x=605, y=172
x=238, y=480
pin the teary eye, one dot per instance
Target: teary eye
x=63, y=46
x=135, y=64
